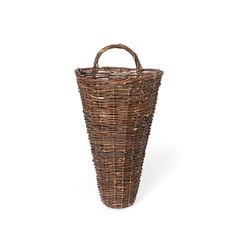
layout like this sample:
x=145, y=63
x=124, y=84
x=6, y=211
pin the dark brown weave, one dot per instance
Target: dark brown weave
x=118, y=106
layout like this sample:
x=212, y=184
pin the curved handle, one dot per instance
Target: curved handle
x=120, y=46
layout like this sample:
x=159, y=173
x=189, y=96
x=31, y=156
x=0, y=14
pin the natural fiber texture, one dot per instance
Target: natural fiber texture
x=118, y=106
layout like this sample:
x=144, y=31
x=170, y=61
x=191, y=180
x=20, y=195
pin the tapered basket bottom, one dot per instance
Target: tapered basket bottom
x=118, y=179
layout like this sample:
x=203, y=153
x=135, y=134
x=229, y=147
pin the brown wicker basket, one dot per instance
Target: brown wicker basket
x=118, y=105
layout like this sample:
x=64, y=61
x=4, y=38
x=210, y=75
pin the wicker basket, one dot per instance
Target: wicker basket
x=118, y=105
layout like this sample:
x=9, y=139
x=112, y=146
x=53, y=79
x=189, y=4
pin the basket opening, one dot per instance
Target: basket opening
x=119, y=72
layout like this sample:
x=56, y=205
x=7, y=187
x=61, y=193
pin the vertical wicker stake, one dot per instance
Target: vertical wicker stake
x=118, y=105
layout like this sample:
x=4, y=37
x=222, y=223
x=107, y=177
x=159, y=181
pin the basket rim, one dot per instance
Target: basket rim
x=88, y=71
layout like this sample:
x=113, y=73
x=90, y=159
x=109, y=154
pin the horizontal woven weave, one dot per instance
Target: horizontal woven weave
x=118, y=105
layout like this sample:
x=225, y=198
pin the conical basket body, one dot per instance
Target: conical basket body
x=118, y=106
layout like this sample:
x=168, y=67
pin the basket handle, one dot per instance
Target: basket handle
x=120, y=46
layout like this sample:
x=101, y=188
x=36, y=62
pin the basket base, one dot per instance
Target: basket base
x=118, y=206
x=118, y=179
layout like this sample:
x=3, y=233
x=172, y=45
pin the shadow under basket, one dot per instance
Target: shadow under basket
x=118, y=105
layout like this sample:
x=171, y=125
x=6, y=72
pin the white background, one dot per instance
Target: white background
x=47, y=178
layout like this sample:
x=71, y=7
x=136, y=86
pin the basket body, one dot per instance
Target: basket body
x=118, y=106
